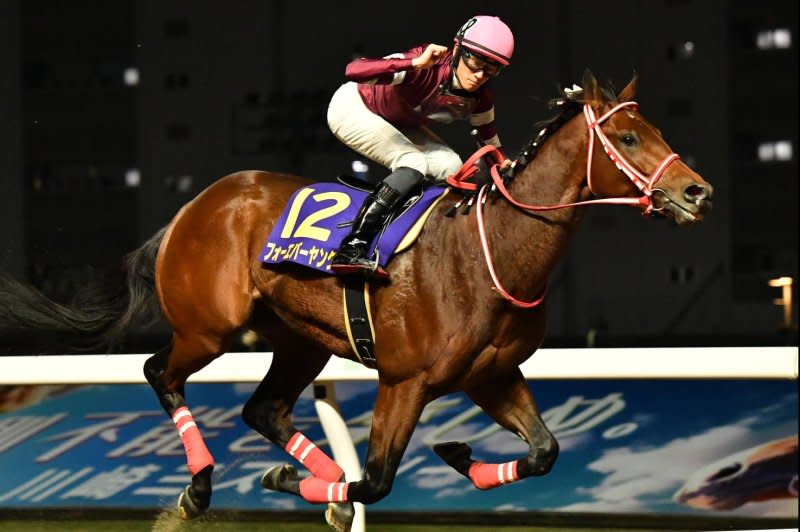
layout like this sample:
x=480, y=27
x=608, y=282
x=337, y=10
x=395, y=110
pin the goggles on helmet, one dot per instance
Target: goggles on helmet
x=476, y=62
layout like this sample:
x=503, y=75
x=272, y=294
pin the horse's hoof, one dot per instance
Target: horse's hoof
x=187, y=508
x=455, y=454
x=340, y=516
x=275, y=478
x=453, y=451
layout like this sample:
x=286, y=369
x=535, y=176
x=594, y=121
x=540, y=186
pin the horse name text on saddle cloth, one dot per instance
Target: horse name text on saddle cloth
x=317, y=218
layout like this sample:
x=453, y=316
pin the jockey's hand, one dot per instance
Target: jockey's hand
x=429, y=56
x=505, y=165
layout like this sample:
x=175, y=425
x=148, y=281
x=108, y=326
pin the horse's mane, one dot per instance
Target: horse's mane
x=568, y=103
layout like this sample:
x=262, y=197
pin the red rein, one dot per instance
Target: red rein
x=642, y=182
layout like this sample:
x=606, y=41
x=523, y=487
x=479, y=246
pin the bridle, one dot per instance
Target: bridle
x=643, y=182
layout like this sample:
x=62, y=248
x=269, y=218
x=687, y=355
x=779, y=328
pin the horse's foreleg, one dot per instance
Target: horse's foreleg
x=510, y=403
x=167, y=376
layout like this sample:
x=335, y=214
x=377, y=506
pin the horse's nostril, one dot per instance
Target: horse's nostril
x=695, y=193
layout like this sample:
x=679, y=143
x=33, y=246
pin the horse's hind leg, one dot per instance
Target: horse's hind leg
x=295, y=363
x=397, y=410
x=509, y=402
x=167, y=371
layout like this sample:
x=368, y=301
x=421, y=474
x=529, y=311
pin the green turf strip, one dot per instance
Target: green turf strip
x=164, y=525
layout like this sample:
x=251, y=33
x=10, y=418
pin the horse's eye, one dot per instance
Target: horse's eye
x=628, y=139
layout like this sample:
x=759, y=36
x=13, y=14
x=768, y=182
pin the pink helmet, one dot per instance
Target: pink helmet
x=487, y=36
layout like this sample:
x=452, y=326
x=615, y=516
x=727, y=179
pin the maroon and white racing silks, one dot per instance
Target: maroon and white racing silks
x=407, y=97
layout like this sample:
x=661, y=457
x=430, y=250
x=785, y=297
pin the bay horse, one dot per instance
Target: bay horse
x=445, y=323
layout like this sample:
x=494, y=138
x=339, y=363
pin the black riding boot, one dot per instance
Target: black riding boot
x=377, y=208
x=351, y=258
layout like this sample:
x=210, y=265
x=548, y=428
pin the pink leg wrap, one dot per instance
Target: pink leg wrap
x=304, y=451
x=488, y=476
x=316, y=490
x=197, y=455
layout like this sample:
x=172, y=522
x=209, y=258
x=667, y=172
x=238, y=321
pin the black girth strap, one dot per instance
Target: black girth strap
x=358, y=320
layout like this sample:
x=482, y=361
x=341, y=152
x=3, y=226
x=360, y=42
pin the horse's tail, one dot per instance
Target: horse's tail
x=98, y=320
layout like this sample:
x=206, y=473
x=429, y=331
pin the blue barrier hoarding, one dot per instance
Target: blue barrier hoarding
x=705, y=447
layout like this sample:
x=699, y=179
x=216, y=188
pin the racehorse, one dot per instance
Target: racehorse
x=446, y=322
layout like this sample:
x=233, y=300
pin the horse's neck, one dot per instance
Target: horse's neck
x=526, y=247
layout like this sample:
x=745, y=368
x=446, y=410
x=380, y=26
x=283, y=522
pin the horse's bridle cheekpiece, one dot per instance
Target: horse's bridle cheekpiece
x=642, y=182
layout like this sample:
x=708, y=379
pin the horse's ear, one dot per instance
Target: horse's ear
x=629, y=91
x=591, y=90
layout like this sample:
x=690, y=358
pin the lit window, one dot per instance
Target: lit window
x=782, y=38
x=687, y=49
x=766, y=151
x=133, y=177
x=783, y=150
x=131, y=76
x=178, y=183
x=775, y=151
x=772, y=39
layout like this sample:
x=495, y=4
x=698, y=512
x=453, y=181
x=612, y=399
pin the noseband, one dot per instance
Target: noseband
x=644, y=183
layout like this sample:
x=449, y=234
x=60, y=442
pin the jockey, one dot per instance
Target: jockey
x=383, y=110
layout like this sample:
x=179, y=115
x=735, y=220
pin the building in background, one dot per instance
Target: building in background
x=116, y=115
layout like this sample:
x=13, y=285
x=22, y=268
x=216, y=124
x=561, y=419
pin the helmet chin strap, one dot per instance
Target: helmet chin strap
x=455, y=59
x=453, y=82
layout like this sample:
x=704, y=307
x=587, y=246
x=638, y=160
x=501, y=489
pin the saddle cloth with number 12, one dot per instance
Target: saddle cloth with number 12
x=316, y=220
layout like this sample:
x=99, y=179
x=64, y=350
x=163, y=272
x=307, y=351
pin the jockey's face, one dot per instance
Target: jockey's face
x=473, y=70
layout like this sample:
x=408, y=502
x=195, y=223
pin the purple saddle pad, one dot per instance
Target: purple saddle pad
x=317, y=218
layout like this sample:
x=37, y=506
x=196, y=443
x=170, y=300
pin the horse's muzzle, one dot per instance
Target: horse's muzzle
x=690, y=206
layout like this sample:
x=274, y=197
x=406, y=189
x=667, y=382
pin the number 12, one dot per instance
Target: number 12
x=307, y=229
